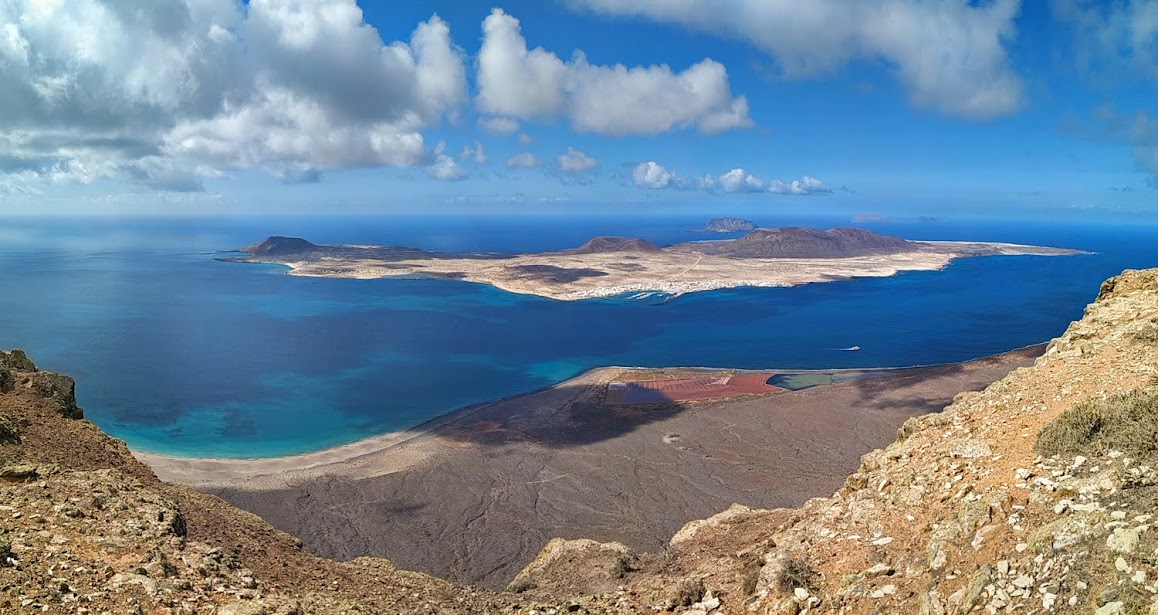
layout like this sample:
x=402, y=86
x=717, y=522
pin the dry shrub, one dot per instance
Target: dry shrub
x=521, y=585
x=795, y=572
x=621, y=567
x=1127, y=423
x=689, y=592
x=1146, y=335
x=8, y=430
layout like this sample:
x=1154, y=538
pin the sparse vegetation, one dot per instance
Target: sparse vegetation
x=1147, y=334
x=621, y=567
x=8, y=430
x=1127, y=423
x=522, y=584
x=6, y=554
x=689, y=592
x=795, y=572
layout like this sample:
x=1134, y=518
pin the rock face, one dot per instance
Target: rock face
x=801, y=242
x=280, y=246
x=729, y=225
x=599, y=245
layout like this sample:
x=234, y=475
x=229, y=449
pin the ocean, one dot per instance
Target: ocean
x=178, y=353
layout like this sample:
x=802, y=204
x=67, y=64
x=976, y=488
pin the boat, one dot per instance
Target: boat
x=851, y=349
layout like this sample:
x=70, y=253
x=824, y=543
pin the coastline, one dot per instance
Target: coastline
x=571, y=276
x=262, y=472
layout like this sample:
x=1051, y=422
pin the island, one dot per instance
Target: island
x=729, y=225
x=621, y=266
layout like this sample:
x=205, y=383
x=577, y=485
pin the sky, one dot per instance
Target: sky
x=877, y=107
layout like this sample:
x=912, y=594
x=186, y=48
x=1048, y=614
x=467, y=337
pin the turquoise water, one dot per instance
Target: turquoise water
x=178, y=353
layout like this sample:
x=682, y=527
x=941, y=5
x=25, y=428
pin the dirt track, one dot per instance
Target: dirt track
x=475, y=499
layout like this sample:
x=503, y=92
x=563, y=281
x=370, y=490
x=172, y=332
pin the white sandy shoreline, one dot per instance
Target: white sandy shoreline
x=263, y=471
x=671, y=271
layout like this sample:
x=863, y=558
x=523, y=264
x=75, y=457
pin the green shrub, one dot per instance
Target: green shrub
x=795, y=572
x=1127, y=423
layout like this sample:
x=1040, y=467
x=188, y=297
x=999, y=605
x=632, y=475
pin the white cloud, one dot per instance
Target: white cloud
x=739, y=180
x=169, y=91
x=525, y=139
x=444, y=167
x=1112, y=38
x=474, y=153
x=1138, y=129
x=498, y=125
x=950, y=55
x=652, y=175
x=804, y=185
x=575, y=161
x=612, y=100
x=655, y=176
x=524, y=160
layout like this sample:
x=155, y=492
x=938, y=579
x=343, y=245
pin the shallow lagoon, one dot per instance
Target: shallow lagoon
x=179, y=353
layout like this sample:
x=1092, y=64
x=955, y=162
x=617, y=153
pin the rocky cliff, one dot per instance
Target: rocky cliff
x=1037, y=495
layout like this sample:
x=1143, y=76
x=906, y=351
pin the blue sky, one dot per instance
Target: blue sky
x=897, y=107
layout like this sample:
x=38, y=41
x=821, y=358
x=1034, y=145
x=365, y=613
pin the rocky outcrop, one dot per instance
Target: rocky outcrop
x=729, y=225
x=600, y=245
x=280, y=246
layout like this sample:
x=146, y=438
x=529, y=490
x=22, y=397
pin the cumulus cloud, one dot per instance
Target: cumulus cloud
x=655, y=176
x=444, y=167
x=474, y=153
x=498, y=125
x=168, y=91
x=950, y=55
x=741, y=181
x=804, y=185
x=1112, y=38
x=652, y=175
x=524, y=83
x=524, y=160
x=575, y=161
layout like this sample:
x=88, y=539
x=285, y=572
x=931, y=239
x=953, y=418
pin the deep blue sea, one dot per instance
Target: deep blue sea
x=178, y=353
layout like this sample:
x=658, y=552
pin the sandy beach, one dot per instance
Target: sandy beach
x=347, y=460
x=474, y=495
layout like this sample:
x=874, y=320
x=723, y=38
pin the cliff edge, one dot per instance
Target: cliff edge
x=86, y=528
x=1037, y=495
